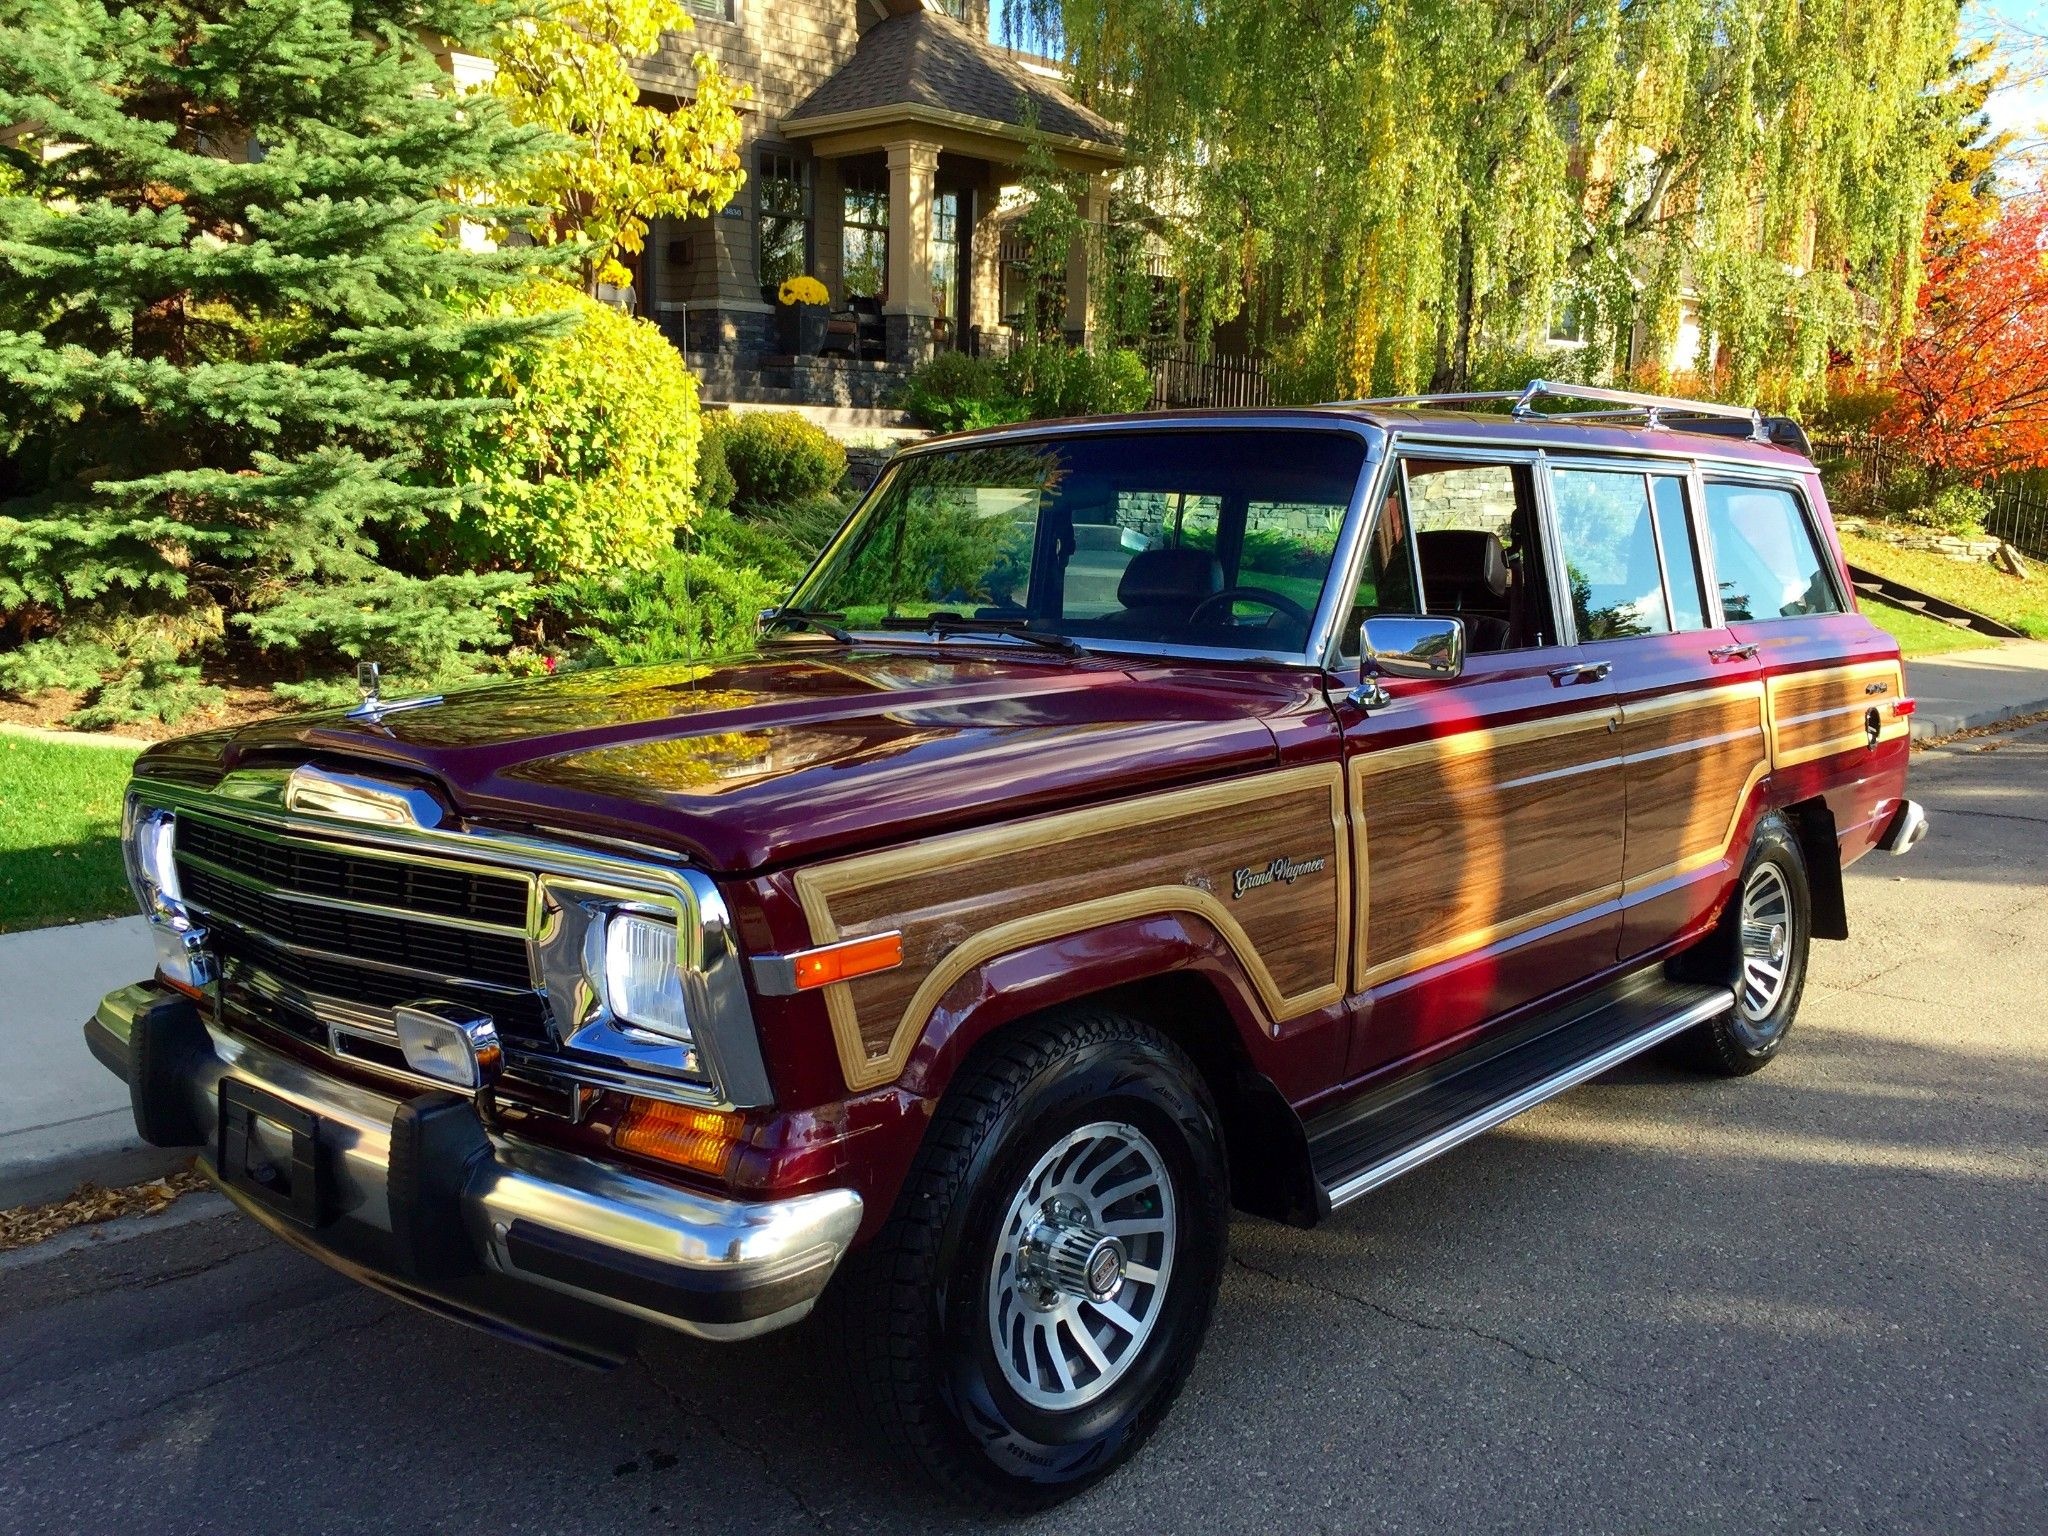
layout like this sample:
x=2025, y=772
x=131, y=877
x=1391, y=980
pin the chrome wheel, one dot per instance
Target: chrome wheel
x=1081, y=1266
x=1766, y=942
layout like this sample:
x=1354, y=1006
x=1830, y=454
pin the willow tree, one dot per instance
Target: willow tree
x=1390, y=190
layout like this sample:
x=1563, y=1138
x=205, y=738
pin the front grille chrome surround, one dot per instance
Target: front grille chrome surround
x=497, y=920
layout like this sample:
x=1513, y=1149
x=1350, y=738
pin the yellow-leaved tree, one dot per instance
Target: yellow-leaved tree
x=622, y=161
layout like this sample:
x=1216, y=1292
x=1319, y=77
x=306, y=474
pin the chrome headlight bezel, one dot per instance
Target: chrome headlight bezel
x=149, y=853
x=583, y=923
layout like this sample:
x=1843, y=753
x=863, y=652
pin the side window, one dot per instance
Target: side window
x=1683, y=582
x=1610, y=553
x=1765, y=556
x=1467, y=533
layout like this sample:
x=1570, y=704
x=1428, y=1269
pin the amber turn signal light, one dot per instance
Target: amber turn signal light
x=699, y=1139
x=842, y=962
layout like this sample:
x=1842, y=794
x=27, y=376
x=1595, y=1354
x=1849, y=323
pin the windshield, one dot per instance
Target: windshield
x=1210, y=538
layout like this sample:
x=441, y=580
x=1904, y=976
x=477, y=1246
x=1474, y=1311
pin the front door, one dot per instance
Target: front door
x=1691, y=696
x=1487, y=811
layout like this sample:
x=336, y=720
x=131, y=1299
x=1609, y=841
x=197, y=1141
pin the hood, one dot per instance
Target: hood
x=793, y=752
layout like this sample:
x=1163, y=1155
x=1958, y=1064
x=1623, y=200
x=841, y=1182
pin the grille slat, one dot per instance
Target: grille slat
x=318, y=872
x=520, y=1018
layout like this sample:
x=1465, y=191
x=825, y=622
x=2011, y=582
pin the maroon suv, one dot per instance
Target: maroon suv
x=1122, y=822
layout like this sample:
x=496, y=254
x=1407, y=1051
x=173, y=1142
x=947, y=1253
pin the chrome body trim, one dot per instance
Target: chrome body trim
x=635, y=1220
x=1907, y=827
x=561, y=876
x=1409, y=1158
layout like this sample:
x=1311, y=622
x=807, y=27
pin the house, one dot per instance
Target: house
x=879, y=143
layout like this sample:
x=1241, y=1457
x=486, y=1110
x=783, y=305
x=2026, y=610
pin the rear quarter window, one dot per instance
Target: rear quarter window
x=1766, y=555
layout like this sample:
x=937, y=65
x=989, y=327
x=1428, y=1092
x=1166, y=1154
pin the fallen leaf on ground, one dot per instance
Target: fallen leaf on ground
x=28, y=1224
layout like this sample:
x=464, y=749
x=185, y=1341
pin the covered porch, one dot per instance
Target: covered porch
x=893, y=184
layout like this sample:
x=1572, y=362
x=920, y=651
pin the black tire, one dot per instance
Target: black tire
x=1749, y=1035
x=915, y=1309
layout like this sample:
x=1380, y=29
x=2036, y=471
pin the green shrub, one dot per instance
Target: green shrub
x=956, y=393
x=688, y=605
x=777, y=457
x=130, y=670
x=715, y=486
x=1037, y=381
x=591, y=464
x=1954, y=509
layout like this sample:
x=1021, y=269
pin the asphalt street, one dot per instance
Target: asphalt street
x=1811, y=1299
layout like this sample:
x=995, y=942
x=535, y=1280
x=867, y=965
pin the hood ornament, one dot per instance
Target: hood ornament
x=373, y=709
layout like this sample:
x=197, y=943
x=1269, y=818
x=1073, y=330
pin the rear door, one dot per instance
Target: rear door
x=1832, y=679
x=1487, y=811
x=1692, y=734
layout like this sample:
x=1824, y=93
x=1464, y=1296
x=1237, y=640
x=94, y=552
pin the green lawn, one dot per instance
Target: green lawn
x=1976, y=584
x=1917, y=634
x=60, y=831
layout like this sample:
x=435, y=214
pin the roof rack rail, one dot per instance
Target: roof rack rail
x=1620, y=402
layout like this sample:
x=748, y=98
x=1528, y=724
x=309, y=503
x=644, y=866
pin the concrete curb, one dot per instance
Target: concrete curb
x=1926, y=727
x=48, y=1162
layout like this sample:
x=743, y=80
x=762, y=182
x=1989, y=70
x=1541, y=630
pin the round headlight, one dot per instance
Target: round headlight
x=642, y=983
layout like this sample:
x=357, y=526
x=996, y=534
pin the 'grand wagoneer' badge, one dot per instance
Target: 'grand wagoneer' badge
x=1282, y=871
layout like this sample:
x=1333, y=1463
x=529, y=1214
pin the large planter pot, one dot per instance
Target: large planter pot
x=803, y=328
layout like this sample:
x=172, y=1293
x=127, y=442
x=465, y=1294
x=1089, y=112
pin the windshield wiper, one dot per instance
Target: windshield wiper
x=798, y=618
x=942, y=624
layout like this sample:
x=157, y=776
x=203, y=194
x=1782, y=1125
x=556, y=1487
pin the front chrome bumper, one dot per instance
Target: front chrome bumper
x=558, y=1249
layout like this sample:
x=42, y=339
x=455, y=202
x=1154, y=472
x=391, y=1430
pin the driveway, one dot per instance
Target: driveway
x=1810, y=1299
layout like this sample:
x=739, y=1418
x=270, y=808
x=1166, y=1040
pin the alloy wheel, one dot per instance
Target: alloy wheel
x=1081, y=1266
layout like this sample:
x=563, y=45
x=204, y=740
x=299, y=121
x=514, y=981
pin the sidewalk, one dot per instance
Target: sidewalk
x=64, y=1118
x=1973, y=688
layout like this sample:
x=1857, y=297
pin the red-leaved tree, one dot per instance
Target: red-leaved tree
x=1971, y=391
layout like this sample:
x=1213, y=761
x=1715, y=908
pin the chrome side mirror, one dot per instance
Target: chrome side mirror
x=1421, y=647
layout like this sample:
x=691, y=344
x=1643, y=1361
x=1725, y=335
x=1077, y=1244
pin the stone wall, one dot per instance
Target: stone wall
x=1480, y=497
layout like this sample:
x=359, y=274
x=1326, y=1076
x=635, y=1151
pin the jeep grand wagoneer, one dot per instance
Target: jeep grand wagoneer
x=1123, y=821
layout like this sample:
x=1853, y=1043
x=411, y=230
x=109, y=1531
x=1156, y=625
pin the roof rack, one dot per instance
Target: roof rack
x=1619, y=402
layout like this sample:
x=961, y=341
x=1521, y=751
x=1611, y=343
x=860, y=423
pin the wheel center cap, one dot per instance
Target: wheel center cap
x=1064, y=1255
x=1106, y=1269
x=1777, y=941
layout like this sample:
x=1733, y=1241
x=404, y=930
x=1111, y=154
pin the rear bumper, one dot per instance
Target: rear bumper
x=415, y=1198
x=1904, y=831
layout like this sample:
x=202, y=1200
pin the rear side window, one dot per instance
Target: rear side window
x=1765, y=555
x=1610, y=553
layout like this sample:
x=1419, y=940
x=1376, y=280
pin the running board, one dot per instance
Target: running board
x=1386, y=1132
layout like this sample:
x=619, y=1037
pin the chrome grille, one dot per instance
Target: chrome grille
x=309, y=870
x=336, y=937
x=434, y=949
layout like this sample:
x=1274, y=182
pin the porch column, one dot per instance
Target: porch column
x=985, y=263
x=828, y=225
x=907, y=308
x=1080, y=295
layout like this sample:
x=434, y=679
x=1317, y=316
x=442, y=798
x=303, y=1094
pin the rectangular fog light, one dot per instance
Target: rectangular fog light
x=449, y=1043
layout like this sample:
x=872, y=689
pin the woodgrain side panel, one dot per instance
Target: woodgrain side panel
x=963, y=899
x=1693, y=759
x=1819, y=713
x=1481, y=835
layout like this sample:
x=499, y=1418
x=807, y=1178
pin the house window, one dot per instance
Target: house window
x=1568, y=321
x=710, y=10
x=782, y=195
x=865, y=248
x=946, y=256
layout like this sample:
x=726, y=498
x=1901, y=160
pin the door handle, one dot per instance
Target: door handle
x=1580, y=672
x=1732, y=653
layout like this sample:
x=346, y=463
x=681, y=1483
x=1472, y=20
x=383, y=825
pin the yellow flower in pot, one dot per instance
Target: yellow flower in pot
x=803, y=289
x=803, y=314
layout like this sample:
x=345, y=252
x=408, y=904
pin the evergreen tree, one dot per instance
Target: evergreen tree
x=234, y=299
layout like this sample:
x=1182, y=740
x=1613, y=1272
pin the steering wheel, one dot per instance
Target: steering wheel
x=1278, y=602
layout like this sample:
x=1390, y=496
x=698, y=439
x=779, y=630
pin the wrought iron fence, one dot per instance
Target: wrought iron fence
x=1863, y=474
x=1182, y=377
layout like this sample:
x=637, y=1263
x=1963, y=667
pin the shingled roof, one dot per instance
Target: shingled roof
x=928, y=60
